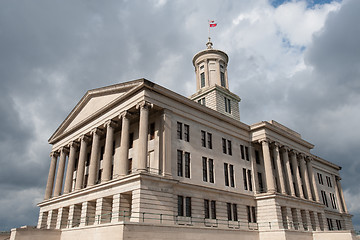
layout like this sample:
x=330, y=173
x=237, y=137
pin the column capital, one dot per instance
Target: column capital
x=110, y=123
x=125, y=114
x=84, y=138
x=337, y=178
x=97, y=131
x=293, y=152
x=276, y=145
x=301, y=156
x=284, y=148
x=73, y=144
x=266, y=140
x=308, y=159
x=64, y=149
x=54, y=154
x=144, y=104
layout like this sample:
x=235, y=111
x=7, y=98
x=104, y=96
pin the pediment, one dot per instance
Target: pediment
x=93, y=102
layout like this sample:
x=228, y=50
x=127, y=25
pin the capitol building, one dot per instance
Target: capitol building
x=136, y=160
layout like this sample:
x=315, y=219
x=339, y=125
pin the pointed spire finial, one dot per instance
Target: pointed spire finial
x=209, y=44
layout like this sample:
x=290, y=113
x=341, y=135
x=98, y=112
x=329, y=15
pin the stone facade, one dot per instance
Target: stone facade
x=136, y=160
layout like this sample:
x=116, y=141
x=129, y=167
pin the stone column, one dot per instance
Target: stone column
x=341, y=194
x=206, y=71
x=166, y=148
x=70, y=167
x=285, y=157
x=143, y=136
x=296, y=174
x=50, y=181
x=94, y=158
x=279, y=168
x=107, y=162
x=254, y=169
x=269, y=173
x=313, y=184
x=121, y=163
x=82, y=159
x=60, y=172
x=305, y=177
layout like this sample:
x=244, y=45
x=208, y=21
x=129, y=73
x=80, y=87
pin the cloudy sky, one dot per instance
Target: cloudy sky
x=297, y=62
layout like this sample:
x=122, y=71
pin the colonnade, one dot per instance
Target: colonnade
x=292, y=170
x=81, y=144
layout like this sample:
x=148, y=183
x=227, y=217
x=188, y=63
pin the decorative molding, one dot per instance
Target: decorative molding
x=111, y=123
x=144, y=104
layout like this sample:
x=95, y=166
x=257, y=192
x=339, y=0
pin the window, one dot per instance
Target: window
x=338, y=224
x=257, y=156
x=208, y=169
x=247, y=154
x=203, y=138
x=232, y=212
x=227, y=105
x=201, y=67
x=152, y=131
x=181, y=165
x=328, y=180
x=222, y=78
x=209, y=209
x=226, y=145
x=205, y=174
x=320, y=178
x=213, y=209
x=187, y=165
x=184, y=208
x=130, y=165
x=180, y=131
x=202, y=78
x=245, y=179
x=251, y=214
x=330, y=224
x=333, y=202
x=201, y=101
x=324, y=198
x=186, y=133
x=229, y=171
x=131, y=140
x=242, y=151
x=249, y=179
x=209, y=140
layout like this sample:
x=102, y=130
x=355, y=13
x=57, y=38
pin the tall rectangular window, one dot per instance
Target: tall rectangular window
x=242, y=151
x=227, y=105
x=206, y=209
x=222, y=78
x=211, y=170
x=249, y=180
x=229, y=147
x=320, y=178
x=203, y=138
x=228, y=208
x=235, y=212
x=202, y=78
x=224, y=145
x=245, y=179
x=232, y=180
x=253, y=211
x=248, y=211
x=187, y=165
x=179, y=130
x=261, y=184
x=328, y=180
x=338, y=224
x=188, y=206
x=324, y=198
x=204, y=164
x=209, y=140
x=330, y=224
x=180, y=206
x=226, y=174
x=247, y=154
x=213, y=209
x=180, y=163
x=186, y=133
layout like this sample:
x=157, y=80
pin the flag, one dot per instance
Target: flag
x=212, y=23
